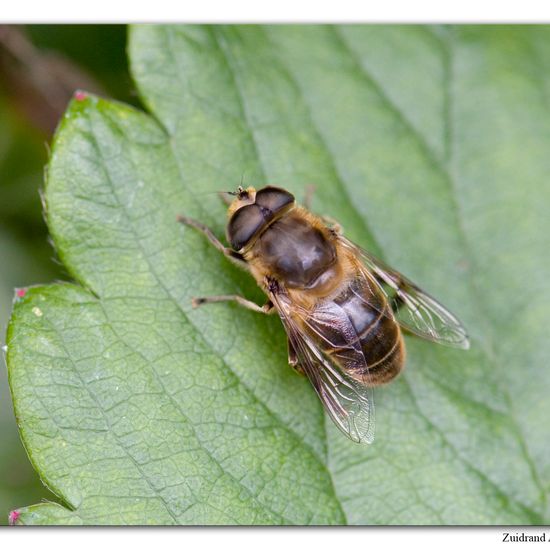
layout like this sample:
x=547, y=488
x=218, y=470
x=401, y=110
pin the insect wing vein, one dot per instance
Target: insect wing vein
x=412, y=308
x=349, y=403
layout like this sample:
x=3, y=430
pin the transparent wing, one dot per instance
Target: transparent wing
x=348, y=402
x=413, y=309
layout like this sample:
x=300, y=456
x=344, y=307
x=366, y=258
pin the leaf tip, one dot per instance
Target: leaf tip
x=13, y=516
x=80, y=95
x=20, y=292
x=80, y=101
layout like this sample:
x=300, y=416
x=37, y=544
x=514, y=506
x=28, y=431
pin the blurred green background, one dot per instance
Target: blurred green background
x=40, y=68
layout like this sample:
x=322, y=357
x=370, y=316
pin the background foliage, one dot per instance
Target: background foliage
x=429, y=144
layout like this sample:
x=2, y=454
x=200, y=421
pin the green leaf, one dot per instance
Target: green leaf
x=429, y=145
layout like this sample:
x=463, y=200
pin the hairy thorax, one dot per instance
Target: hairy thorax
x=297, y=253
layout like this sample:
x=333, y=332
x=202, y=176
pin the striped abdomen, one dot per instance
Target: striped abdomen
x=357, y=330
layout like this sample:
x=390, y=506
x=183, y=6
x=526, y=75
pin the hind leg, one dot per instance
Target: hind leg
x=293, y=358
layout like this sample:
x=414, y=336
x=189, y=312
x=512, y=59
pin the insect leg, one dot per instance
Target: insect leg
x=207, y=232
x=225, y=198
x=293, y=358
x=333, y=224
x=267, y=308
x=308, y=196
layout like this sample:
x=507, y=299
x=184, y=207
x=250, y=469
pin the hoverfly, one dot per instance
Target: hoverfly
x=343, y=310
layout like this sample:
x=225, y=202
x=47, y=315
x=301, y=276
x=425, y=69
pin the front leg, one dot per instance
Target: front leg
x=235, y=257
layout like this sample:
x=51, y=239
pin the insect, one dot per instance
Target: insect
x=343, y=310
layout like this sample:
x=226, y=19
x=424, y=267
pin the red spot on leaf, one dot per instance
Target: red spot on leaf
x=13, y=517
x=21, y=292
x=79, y=95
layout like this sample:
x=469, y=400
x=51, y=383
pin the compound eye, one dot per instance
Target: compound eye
x=273, y=198
x=244, y=224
